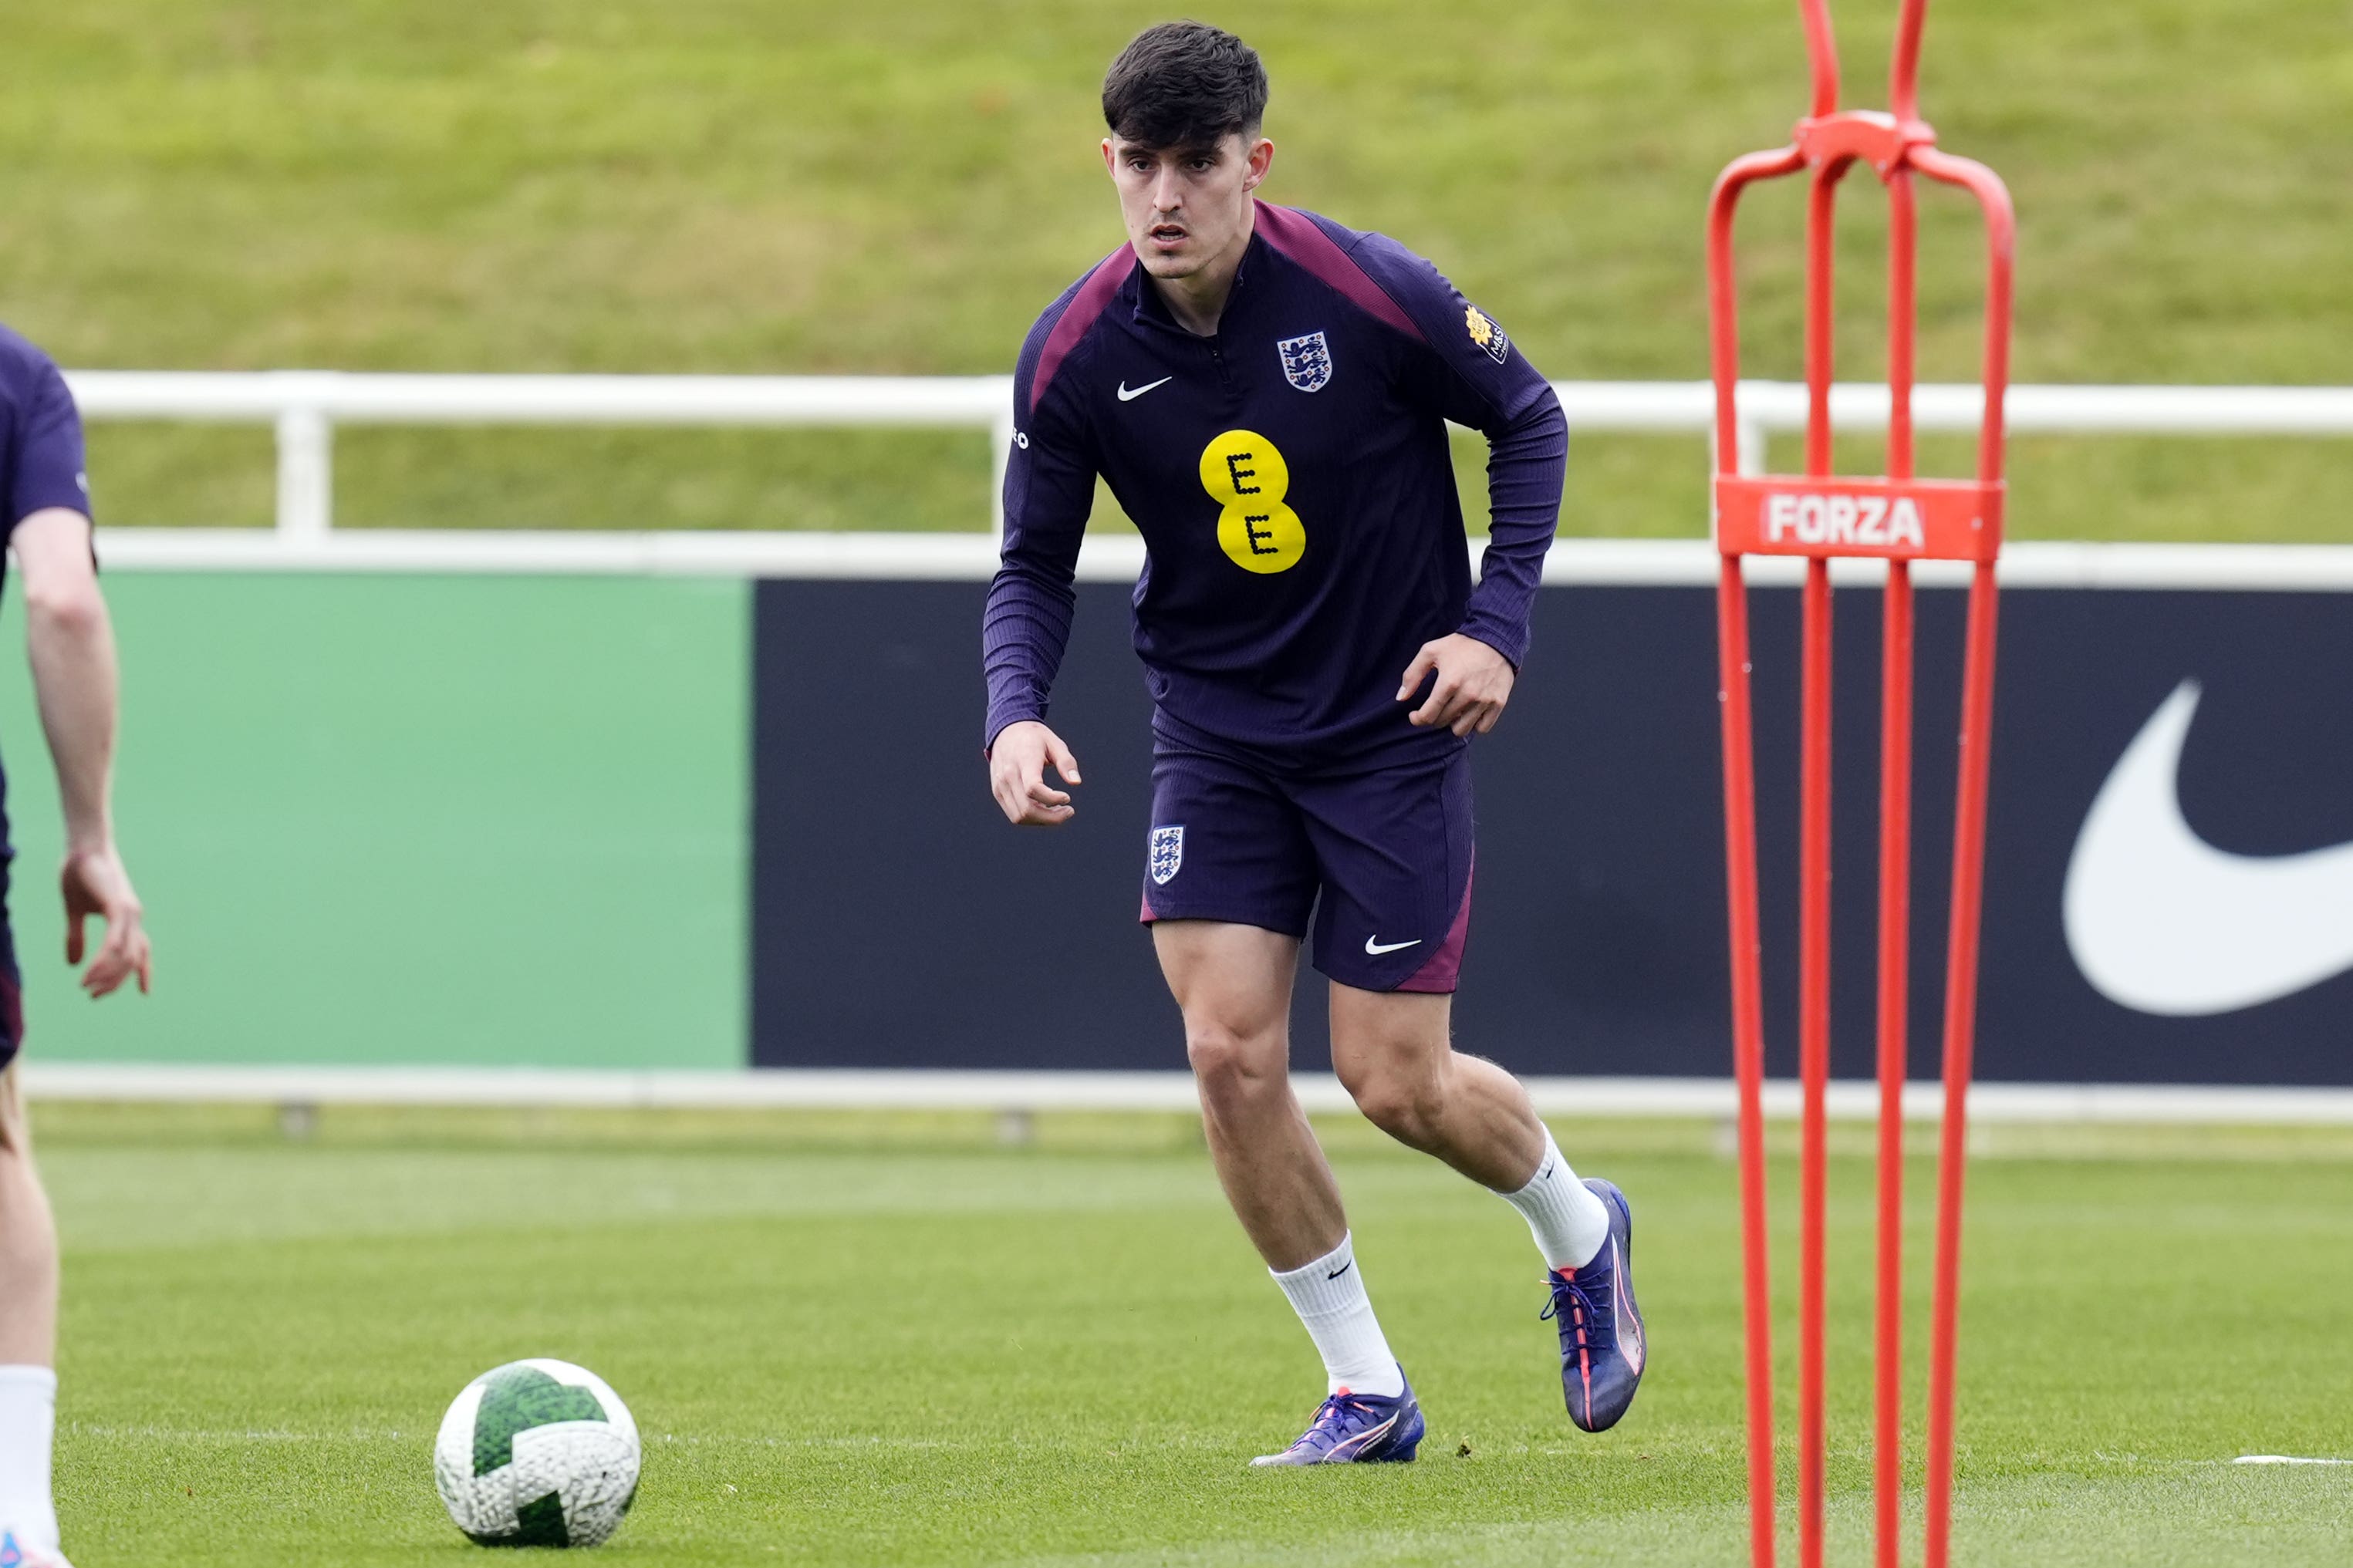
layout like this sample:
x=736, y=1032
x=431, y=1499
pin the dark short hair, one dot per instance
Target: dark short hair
x=1184, y=84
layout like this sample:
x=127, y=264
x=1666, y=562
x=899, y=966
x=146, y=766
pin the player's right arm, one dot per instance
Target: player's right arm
x=70, y=642
x=1050, y=488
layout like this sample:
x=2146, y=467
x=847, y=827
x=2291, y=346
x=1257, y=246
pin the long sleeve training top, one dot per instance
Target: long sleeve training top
x=1294, y=486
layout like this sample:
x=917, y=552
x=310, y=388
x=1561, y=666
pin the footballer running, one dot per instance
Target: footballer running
x=1267, y=395
x=45, y=526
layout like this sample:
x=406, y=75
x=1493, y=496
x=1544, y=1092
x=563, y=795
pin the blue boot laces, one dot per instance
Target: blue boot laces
x=1572, y=1303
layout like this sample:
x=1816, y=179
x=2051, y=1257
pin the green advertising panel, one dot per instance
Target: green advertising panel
x=396, y=819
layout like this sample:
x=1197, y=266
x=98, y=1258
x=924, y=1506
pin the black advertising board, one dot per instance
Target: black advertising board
x=2196, y=927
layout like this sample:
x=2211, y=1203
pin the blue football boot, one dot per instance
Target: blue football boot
x=1356, y=1429
x=1601, y=1344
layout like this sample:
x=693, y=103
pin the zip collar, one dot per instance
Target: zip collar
x=1152, y=310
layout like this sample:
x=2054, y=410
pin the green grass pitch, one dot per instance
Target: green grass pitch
x=889, y=1340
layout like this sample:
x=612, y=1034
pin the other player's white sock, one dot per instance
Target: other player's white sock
x=1329, y=1296
x=28, y=1416
x=1569, y=1223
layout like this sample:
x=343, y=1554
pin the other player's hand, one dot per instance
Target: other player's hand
x=1473, y=684
x=96, y=884
x=1016, y=775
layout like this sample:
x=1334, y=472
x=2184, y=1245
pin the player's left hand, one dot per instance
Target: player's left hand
x=1473, y=684
x=96, y=884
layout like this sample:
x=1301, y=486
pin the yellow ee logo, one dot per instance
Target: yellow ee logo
x=1247, y=479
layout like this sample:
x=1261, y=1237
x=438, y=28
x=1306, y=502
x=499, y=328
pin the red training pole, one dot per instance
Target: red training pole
x=1740, y=855
x=1747, y=1041
x=1895, y=887
x=1897, y=519
x=1969, y=851
x=1814, y=894
x=1822, y=54
x=1960, y=1019
x=1894, y=935
x=1813, y=1055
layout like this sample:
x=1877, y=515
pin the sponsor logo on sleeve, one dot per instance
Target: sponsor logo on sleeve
x=1306, y=361
x=1486, y=334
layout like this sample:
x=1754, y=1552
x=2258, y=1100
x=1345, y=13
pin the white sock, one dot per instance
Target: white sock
x=1329, y=1296
x=28, y=1416
x=1568, y=1222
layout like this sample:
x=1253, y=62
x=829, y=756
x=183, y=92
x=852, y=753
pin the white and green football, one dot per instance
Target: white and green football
x=537, y=1453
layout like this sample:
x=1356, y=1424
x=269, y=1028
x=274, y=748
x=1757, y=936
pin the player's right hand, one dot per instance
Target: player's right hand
x=1016, y=775
x=96, y=884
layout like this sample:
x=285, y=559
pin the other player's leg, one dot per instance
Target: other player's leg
x=1395, y=851
x=28, y=1326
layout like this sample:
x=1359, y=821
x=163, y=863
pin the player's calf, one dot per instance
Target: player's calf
x=28, y=1298
x=28, y=1241
x=1393, y=1052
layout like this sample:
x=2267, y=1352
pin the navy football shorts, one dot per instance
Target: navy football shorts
x=1380, y=859
x=12, y=996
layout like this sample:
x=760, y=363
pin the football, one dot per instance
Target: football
x=537, y=1453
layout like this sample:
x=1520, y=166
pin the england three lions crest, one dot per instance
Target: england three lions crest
x=1167, y=853
x=1306, y=361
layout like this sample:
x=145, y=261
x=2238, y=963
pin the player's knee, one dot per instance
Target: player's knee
x=1407, y=1106
x=16, y=1139
x=28, y=1242
x=1228, y=1062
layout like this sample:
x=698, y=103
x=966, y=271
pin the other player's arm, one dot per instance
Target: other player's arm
x=72, y=644
x=1050, y=487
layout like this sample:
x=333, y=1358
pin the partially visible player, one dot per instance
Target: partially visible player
x=1267, y=393
x=46, y=525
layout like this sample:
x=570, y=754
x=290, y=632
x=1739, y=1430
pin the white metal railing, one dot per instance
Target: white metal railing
x=296, y=1087
x=305, y=406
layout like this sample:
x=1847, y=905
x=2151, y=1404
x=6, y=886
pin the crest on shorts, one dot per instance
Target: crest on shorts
x=1306, y=361
x=1486, y=334
x=1167, y=853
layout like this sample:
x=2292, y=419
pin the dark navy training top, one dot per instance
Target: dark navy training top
x=1294, y=488
x=40, y=467
x=40, y=437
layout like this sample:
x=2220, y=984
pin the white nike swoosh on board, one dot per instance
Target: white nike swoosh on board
x=2163, y=922
x=1129, y=394
x=1376, y=947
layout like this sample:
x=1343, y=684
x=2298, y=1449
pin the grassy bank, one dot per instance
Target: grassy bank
x=724, y=186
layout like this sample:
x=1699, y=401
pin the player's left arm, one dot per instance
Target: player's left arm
x=1475, y=668
x=70, y=642
x=1475, y=375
